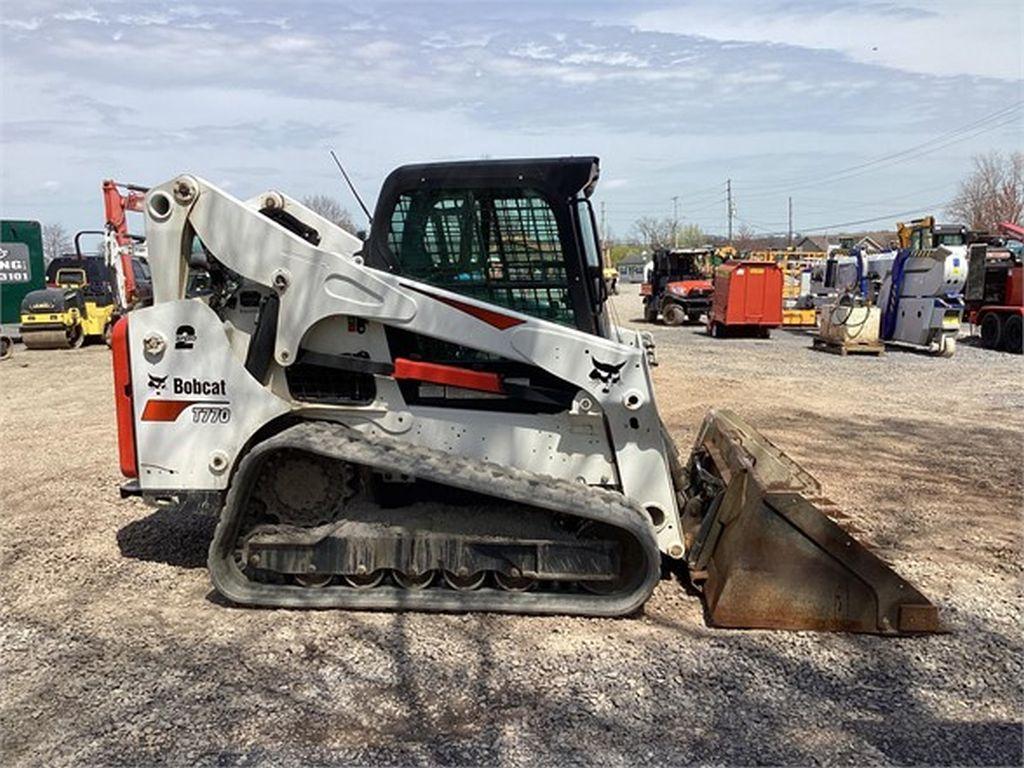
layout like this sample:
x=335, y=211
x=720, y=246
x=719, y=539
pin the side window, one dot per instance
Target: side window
x=500, y=246
x=589, y=232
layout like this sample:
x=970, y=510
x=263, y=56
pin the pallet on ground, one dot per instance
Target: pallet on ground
x=849, y=347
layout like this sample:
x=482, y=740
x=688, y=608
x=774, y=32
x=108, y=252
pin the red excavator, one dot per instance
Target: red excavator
x=120, y=246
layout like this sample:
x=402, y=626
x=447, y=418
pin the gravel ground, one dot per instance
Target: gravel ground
x=115, y=649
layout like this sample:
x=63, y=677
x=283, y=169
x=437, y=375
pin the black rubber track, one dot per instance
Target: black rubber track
x=387, y=455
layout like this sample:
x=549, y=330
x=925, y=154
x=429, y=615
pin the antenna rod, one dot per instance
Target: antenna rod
x=352, y=187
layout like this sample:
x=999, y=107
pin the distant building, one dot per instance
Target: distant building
x=865, y=243
x=632, y=268
x=808, y=244
x=868, y=244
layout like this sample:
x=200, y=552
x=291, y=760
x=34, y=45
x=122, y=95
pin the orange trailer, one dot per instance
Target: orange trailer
x=747, y=299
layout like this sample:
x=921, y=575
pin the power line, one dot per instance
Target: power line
x=903, y=159
x=889, y=216
x=994, y=120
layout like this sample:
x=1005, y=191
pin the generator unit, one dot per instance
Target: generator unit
x=921, y=298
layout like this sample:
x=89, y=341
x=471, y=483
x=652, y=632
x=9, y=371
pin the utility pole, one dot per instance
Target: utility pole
x=728, y=198
x=789, y=237
x=675, y=221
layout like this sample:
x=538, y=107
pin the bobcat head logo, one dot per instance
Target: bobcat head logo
x=157, y=383
x=607, y=374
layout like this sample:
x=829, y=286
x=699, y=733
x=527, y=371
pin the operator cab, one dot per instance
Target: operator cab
x=515, y=233
x=924, y=234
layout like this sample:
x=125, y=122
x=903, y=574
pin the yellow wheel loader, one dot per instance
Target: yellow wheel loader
x=443, y=418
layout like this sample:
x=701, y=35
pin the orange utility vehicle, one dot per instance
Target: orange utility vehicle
x=678, y=289
x=747, y=299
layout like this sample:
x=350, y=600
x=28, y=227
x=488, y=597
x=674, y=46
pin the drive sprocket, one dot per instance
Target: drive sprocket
x=305, y=490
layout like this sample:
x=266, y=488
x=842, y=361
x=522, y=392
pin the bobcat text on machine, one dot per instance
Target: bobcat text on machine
x=443, y=418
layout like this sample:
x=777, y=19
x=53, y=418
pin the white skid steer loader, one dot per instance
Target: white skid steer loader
x=442, y=417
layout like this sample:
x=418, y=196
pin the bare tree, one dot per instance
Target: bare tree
x=654, y=232
x=744, y=238
x=331, y=210
x=992, y=192
x=56, y=241
x=691, y=236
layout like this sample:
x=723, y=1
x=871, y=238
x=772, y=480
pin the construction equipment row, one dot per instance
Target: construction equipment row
x=939, y=275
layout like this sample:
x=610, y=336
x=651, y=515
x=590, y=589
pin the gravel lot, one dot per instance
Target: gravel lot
x=115, y=649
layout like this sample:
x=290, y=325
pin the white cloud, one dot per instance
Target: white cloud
x=27, y=25
x=89, y=14
x=940, y=37
x=232, y=93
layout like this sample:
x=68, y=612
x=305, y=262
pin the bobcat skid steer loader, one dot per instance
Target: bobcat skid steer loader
x=443, y=418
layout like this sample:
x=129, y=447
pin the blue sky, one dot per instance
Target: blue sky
x=780, y=95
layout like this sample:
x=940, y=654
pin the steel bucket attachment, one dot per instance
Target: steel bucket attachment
x=764, y=546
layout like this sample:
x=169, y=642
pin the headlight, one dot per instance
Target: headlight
x=678, y=290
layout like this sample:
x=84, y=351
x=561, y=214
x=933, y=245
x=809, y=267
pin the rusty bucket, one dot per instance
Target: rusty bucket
x=769, y=551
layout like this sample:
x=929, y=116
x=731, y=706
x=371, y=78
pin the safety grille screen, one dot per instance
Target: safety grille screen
x=499, y=246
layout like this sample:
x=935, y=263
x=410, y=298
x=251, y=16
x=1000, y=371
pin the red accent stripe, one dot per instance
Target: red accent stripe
x=489, y=316
x=165, y=410
x=435, y=373
x=123, y=399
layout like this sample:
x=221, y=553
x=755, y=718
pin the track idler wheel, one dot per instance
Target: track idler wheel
x=414, y=581
x=465, y=582
x=314, y=580
x=514, y=583
x=365, y=581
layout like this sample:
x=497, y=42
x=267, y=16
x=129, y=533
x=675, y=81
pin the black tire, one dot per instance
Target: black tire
x=6, y=347
x=76, y=337
x=1012, y=338
x=673, y=314
x=991, y=330
x=765, y=333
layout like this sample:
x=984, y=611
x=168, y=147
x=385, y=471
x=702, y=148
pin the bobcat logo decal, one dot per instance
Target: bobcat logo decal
x=607, y=374
x=157, y=383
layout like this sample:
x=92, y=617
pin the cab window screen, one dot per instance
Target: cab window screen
x=498, y=246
